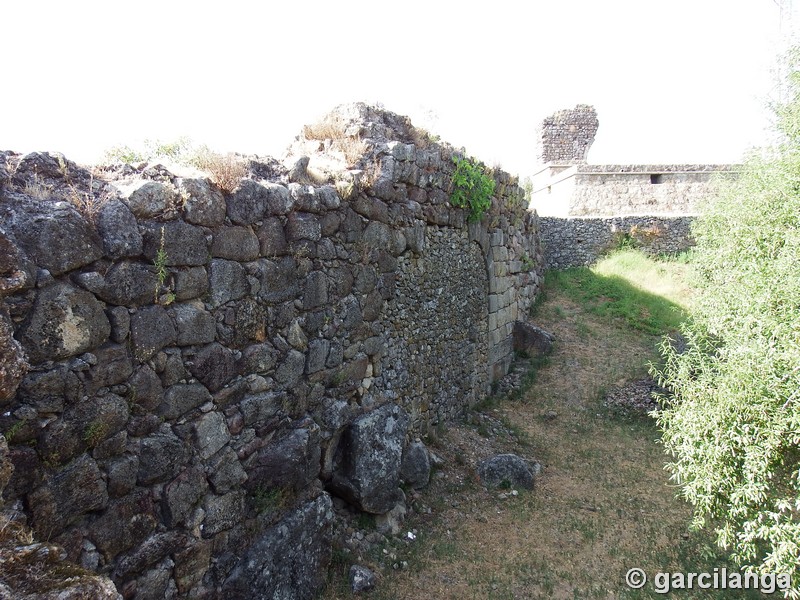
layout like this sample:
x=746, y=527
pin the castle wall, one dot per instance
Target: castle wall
x=202, y=361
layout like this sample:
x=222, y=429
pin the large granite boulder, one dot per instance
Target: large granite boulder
x=366, y=463
x=290, y=559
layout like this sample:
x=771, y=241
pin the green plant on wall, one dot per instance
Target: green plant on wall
x=472, y=188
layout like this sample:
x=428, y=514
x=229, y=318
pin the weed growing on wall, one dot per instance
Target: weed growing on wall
x=734, y=425
x=472, y=188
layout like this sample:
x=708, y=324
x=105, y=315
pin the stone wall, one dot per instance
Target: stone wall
x=566, y=136
x=207, y=364
x=580, y=241
x=613, y=190
x=643, y=189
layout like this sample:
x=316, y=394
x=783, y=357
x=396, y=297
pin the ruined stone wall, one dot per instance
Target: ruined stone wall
x=580, y=241
x=208, y=365
x=566, y=136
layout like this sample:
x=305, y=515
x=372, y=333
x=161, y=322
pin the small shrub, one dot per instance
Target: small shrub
x=472, y=188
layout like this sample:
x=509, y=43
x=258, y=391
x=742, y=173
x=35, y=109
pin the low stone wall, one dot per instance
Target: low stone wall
x=580, y=241
x=207, y=365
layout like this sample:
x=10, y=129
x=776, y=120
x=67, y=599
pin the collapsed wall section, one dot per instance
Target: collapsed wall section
x=208, y=364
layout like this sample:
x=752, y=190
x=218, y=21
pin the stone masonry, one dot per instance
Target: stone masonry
x=195, y=369
x=590, y=208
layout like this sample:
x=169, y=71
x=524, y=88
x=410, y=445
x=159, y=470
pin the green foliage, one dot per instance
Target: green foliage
x=270, y=500
x=733, y=427
x=607, y=290
x=472, y=188
x=14, y=430
x=160, y=263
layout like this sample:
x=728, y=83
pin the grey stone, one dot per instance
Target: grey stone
x=125, y=523
x=317, y=355
x=179, y=243
x=228, y=281
x=195, y=325
x=290, y=559
x=181, y=398
x=290, y=370
x=214, y=366
x=303, y=226
x=329, y=197
x=85, y=424
x=415, y=237
x=113, y=366
x=130, y=284
x=121, y=473
x=258, y=358
x=372, y=208
x=372, y=306
x=296, y=338
x=146, y=389
x=147, y=199
x=391, y=522
x=161, y=456
x=211, y=434
x=279, y=200
x=248, y=203
x=58, y=239
x=258, y=408
x=120, y=320
x=75, y=490
x=377, y=235
x=506, y=470
x=151, y=330
x=415, y=469
x=272, y=238
x=362, y=579
x=150, y=552
x=190, y=283
x=119, y=231
x=279, y=280
x=316, y=290
x=235, y=243
x=13, y=362
x=531, y=339
x=366, y=467
x=222, y=512
x=156, y=583
x=64, y=322
x=226, y=472
x=290, y=461
x=305, y=197
x=182, y=494
x=205, y=205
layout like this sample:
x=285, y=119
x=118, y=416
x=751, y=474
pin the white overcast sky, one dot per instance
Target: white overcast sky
x=677, y=81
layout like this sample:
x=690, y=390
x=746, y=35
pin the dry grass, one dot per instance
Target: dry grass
x=38, y=189
x=225, y=170
x=327, y=129
x=352, y=147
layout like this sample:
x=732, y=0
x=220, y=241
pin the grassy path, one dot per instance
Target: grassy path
x=603, y=503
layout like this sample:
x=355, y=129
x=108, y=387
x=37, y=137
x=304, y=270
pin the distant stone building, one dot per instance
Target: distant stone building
x=586, y=209
x=566, y=185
